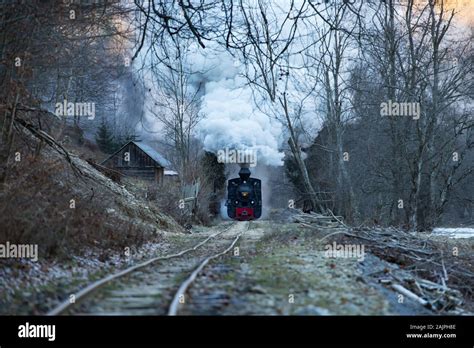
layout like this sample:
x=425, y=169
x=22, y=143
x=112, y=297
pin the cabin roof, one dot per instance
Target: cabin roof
x=155, y=155
x=151, y=152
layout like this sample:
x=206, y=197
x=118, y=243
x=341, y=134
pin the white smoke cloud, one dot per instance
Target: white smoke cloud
x=231, y=118
x=232, y=121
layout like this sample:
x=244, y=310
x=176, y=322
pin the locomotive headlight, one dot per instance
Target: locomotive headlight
x=252, y=202
x=245, y=194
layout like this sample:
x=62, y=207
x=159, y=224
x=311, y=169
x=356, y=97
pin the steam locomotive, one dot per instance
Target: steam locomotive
x=244, y=197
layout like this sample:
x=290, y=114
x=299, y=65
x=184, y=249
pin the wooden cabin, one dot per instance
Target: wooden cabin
x=137, y=159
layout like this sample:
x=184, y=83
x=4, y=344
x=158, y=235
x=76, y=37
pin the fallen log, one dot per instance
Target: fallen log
x=413, y=296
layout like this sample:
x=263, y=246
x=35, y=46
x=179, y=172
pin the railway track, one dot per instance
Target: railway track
x=145, y=290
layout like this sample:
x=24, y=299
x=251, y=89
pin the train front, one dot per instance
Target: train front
x=244, y=197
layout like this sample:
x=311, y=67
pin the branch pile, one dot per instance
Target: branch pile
x=427, y=271
x=317, y=220
x=437, y=274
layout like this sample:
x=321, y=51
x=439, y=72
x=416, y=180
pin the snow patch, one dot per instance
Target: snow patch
x=460, y=232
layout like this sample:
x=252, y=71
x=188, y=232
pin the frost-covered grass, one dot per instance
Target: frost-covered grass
x=282, y=270
x=35, y=287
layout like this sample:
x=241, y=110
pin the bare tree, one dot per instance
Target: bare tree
x=266, y=47
x=176, y=103
x=332, y=57
x=416, y=65
x=56, y=51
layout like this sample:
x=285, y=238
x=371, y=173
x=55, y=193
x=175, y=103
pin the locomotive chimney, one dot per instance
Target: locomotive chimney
x=244, y=172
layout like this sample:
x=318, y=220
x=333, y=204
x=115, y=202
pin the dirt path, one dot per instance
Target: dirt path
x=273, y=269
x=283, y=269
x=278, y=271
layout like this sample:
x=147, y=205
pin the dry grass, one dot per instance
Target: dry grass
x=35, y=208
